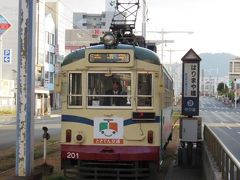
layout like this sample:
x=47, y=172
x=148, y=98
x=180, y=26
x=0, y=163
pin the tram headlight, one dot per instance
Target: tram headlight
x=80, y=137
x=109, y=39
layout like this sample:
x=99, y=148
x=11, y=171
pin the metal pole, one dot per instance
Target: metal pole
x=25, y=90
x=162, y=45
x=1, y=58
x=44, y=150
x=46, y=136
x=235, y=93
x=144, y=20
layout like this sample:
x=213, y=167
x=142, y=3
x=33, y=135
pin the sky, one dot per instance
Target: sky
x=214, y=23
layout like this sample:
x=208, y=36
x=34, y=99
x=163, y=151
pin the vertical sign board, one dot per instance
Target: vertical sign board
x=190, y=84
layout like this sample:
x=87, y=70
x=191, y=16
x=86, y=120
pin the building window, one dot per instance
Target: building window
x=52, y=39
x=52, y=58
x=51, y=77
x=47, y=57
x=237, y=67
x=231, y=67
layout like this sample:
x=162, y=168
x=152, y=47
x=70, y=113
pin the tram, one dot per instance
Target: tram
x=106, y=135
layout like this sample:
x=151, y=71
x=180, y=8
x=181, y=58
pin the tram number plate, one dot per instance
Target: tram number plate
x=72, y=155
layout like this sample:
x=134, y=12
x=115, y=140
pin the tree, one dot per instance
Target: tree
x=222, y=88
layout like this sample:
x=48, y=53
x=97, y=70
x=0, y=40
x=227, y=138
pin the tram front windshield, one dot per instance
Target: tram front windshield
x=109, y=89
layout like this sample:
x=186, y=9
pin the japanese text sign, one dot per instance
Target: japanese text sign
x=190, y=84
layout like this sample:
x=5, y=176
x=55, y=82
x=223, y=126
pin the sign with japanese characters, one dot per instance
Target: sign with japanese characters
x=190, y=80
x=190, y=84
x=108, y=130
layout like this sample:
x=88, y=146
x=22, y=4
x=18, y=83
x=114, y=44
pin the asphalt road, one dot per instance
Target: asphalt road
x=8, y=131
x=224, y=120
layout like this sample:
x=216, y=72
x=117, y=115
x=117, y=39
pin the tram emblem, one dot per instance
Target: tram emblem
x=108, y=131
x=108, y=128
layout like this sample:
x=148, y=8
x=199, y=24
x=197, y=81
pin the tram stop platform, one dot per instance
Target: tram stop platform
x=179, y=173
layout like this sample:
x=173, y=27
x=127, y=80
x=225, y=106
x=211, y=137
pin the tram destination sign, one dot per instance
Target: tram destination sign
x=190, y=84
x=109, y=58
x=4, y=25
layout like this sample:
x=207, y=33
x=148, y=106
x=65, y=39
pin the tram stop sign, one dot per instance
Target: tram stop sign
x=190, y=83
x=4, y=25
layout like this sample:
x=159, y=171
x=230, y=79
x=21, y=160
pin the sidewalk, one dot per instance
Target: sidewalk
x=174, y=171
x=178, y=173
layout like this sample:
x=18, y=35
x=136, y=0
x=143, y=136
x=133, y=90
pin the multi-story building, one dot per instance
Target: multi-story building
x=50, y=50
x=234, y=75
x=9, y=44
x=95, y=21
x=234, y=69
x=88, y=28
x=51, y=27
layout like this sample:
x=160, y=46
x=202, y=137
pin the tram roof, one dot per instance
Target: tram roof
x=140, y=53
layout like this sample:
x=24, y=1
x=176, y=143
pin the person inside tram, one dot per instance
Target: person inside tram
x=115, y=90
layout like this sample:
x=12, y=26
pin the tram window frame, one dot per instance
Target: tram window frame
x=168, y=85
x=78, y=94
x=145, y=95
x=128, y=93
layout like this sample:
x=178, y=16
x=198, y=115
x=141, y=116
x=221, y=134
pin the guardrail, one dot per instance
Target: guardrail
x=228, y=165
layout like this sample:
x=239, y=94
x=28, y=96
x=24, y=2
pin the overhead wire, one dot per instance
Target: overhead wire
x=62, y=15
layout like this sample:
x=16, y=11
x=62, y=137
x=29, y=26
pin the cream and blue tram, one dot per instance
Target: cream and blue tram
x=109, y=140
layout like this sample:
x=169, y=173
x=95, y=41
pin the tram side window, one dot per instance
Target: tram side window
x=105, y=90
x=75, y=89
x=144, y=89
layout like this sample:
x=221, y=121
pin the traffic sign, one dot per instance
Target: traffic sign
x=4, y=25
x=7, y=56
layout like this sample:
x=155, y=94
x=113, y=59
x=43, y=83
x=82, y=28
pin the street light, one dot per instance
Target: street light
x=235, y=93
x=213, y=78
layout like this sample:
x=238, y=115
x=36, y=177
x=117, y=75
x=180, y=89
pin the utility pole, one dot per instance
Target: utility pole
x=235, y=93
x=25, y=88
x=144, y=20
x=170, y=58
x=168, y=32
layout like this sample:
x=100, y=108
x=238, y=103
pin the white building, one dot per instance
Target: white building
x=50, y=51
x=88, y=28
x=9, y=43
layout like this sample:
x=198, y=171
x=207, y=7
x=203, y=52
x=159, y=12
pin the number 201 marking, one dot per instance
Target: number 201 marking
x=72, y=155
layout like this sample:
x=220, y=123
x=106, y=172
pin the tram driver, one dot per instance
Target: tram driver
x=115, y=91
